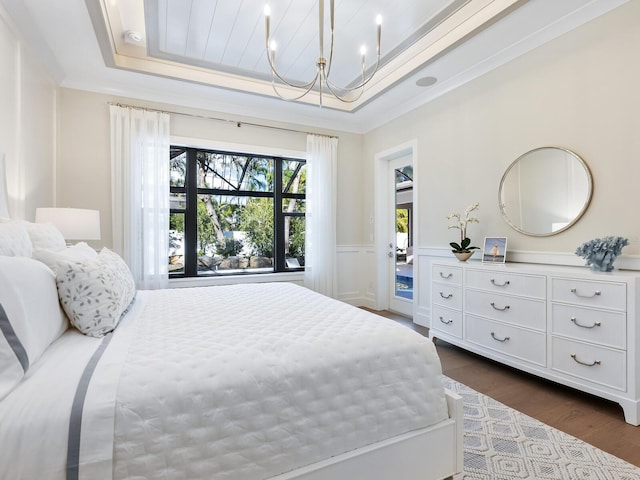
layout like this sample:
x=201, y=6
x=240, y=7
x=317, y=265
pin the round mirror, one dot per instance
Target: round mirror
x=545, y=191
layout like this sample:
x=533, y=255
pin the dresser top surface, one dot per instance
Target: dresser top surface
x=542, y=269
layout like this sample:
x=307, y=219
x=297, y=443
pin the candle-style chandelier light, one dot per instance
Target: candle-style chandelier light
x=347, y=94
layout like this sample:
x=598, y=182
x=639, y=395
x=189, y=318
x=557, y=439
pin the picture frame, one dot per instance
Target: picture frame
x=495, y=250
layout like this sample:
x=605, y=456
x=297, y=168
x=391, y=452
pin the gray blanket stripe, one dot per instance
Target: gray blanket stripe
x=75, y=424
x=14, y=341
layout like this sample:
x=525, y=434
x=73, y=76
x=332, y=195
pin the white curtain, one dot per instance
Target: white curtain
x=320, y=230
x=4, y=198
x=140, y=193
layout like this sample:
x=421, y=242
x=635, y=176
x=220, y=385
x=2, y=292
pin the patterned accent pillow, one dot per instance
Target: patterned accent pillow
x=78, y=252
x=95, y=292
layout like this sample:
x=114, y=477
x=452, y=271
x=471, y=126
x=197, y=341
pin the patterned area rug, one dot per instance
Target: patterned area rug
x=501, y=443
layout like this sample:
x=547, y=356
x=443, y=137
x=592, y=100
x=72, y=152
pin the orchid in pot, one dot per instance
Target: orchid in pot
x=464, y=249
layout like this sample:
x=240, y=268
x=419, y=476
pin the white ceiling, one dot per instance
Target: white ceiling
x=211, y=53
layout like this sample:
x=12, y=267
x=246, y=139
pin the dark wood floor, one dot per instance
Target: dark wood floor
x=592, y=419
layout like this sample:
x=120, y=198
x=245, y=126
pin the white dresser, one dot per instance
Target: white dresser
x=566, y=324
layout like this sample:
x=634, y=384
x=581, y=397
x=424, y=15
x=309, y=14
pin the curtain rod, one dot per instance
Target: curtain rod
x=218, y=119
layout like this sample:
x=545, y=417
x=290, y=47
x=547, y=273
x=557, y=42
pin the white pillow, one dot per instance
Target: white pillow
x=14, y=240
x=79, y=251
x=95, y=292
x=45, y=235
x=30, y=317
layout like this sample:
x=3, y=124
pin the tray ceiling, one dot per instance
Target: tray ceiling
x=223, y=43
x=210, y=54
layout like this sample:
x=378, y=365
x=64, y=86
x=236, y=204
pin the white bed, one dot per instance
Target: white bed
x=242, y=382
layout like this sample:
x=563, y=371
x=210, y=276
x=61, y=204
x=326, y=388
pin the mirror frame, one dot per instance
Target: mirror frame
x=575, y=219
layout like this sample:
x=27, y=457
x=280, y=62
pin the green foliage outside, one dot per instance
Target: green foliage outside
x=176, y=222
x=207, y=240
x=229, y=247
x=256, y=220
x=206, y=232
x=402, y=220
x=296, y=238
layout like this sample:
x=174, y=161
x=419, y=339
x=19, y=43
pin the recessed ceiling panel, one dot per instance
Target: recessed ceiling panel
x=230, y=36
x=220, y=43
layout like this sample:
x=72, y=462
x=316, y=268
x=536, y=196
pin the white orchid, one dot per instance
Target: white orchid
x=461, y=224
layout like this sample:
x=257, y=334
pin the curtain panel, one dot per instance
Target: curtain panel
x=140, y=192
x=4, y=197
x=320, y=228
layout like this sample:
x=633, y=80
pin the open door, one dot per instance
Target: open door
x=395, y=230
x=401, y=235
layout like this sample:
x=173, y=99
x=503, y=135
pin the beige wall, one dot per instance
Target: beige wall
x=581, y=92
x=27, y=125
x=84, y=153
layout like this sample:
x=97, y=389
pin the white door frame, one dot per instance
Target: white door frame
x=383, y=203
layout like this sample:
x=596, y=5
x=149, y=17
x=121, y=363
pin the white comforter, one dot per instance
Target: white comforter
x=235, y=382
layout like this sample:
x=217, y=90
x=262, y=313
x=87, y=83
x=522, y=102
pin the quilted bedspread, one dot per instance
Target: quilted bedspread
x=228, y=382
x=248, y=381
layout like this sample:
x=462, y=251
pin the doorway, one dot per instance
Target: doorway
x=395, y=229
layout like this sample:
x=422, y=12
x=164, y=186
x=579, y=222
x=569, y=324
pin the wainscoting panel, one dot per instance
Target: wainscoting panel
x=356, y=266
x=369, y=272
x=422, y=292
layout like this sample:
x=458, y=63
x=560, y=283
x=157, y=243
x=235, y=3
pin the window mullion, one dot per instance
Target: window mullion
x=278, y=221
x=191, y=216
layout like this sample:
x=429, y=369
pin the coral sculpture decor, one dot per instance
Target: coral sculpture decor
x=600, y=253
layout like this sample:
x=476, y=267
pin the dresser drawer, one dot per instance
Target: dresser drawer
x=446, y=274
x=603, y=327
x=447, y=295
x=516, y=342
x=596, y=364
x=446, y=320
x=592, y=293
x=515, y=310
x=505, y=282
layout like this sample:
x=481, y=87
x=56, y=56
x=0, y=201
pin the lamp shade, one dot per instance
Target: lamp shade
x=4, y=198
x=74, y=223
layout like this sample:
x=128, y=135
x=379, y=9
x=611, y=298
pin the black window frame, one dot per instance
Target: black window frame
x=191, y=191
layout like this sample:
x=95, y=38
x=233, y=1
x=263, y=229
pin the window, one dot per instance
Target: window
x=235, y=213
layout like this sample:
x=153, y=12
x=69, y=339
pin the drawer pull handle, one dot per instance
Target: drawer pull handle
x=446, y=322
x=506, y=307
x=446, y=296
x=597, y=293
x=595, y=362
x=503, y=284
x=575, y=320
x=449, y=275
x=493, y=335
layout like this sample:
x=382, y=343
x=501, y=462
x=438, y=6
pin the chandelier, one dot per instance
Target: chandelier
x=347, y=94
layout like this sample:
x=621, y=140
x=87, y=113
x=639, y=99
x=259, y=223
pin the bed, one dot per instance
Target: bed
x=242, y=382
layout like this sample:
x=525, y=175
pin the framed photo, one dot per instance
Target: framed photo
x=495, y=250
